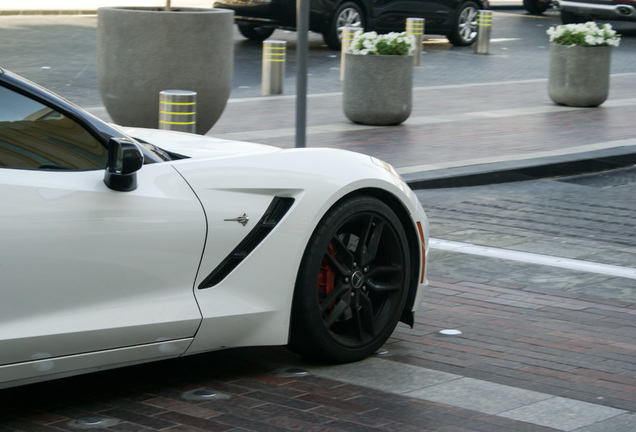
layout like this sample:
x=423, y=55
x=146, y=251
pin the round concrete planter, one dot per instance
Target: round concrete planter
x=579, y=76
x=378, y=89
x=142, y=51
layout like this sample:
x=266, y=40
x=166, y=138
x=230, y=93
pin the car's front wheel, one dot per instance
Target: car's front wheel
x=352, y=284
x=347, y=15
x=255, y=33
x=464, y=31
x=536, y=7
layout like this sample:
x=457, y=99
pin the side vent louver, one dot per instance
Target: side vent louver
x=274, y=213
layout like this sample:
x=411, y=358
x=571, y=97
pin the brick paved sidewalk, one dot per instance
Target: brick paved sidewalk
x=521, y=345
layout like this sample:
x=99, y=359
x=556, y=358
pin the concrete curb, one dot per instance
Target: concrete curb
x=524, y=169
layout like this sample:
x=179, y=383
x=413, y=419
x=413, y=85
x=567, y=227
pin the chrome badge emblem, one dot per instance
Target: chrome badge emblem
x=243, y=219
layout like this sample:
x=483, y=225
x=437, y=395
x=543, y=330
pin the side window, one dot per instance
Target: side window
x=35, y=136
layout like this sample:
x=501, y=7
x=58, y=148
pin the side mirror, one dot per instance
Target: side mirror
x=124, y=160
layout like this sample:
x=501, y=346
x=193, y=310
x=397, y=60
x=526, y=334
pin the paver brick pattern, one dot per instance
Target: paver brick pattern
x=560, y=345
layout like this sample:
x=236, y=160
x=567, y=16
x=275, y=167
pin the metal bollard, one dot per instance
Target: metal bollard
x=484, y=24
x=415, y=27
x=178, y=110
x=274, y=55
x=347, y=37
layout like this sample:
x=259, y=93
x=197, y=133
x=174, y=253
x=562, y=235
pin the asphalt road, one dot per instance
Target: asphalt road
x=588, y=218
x=58, y=52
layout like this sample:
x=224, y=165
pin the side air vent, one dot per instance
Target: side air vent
x=274, y=213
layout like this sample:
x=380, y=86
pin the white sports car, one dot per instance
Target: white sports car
x=123, y=246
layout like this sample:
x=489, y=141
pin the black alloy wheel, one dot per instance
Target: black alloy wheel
x=255, y=33
x=347, y=15
x=353, y=282
x=464, y=31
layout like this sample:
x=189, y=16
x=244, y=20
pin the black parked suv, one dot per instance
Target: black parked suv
x=456, y=19
x=577, y=11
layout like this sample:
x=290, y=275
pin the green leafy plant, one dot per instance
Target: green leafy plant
x=371, y=43
x=587, y=34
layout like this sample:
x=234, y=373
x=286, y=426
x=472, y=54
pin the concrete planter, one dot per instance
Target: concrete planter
x=378, y=89
x=142, y=51
x=579, y=76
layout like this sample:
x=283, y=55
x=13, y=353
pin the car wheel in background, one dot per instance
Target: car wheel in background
x=536, y=6
x=464, y=31
x=347, y=15
x=255, y=33
x=352, y=284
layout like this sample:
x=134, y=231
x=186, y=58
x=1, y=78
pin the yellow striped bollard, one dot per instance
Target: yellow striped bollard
x=178, y=110
x=484, y=24
x=415, y=27
x=347, y=37
x=274, y=56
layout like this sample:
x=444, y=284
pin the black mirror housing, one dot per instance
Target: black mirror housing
x=124, y=160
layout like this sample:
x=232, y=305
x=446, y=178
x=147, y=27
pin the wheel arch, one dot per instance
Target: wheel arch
x=415, y=251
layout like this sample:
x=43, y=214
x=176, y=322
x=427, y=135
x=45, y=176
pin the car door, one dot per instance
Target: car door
x=391, y=15
x=83, y=268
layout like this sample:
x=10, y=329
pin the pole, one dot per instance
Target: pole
x=302, y=30
x=415, y=27
x=274, y=56
x=347, y=37
x=178, y=110
x=484, y=24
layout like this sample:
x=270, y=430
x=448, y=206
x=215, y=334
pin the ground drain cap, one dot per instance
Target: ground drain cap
x=203, y=394
x=93, y=422
x=450, y=332
x=293, y=373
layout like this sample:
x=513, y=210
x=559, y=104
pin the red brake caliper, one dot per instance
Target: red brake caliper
x=326, y=280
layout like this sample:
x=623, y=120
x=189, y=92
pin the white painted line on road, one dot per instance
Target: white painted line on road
x=532, y=258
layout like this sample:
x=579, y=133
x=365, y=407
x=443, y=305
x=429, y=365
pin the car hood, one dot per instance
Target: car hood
x=195, y=146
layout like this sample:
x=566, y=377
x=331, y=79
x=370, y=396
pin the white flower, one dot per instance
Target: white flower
x=371, y=43
x=588, y=34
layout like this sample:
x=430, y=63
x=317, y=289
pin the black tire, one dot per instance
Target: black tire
x=570, y=18
x=255, y=33
x=352, y=284
x=464, y=30
x=347, y=15
x=536, y=7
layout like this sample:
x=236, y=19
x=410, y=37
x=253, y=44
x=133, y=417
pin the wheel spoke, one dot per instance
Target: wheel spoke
x=384, y=287
x=467, y=23
x=336, y=266
x=363, y=314
x=336, y=313
x=349, y=18
x=331, y=297
x=371, y=241
x=384, y=271
x=347, y=259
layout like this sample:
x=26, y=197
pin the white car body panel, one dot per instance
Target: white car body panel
x=61, y=367
x=235, y=312
x=162, y=240
x=125, y=262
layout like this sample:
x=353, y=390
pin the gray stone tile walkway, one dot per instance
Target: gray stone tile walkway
x=528, y=406
x=563, y=414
